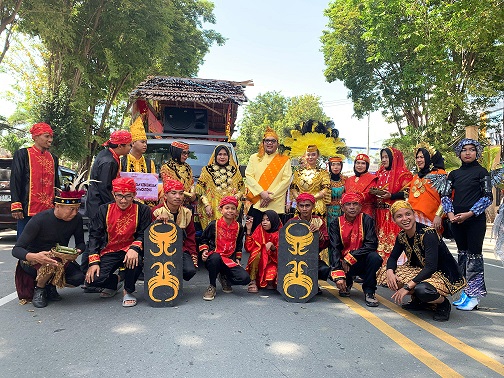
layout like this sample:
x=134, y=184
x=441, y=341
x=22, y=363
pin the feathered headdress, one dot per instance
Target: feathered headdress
x=315, y=133
x=72, y=192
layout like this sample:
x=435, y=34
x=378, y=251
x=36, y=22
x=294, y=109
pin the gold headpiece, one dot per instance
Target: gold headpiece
x=137, y=130
x=268, y=133
x=398, y=205
x=426, y=146
x=300, y=143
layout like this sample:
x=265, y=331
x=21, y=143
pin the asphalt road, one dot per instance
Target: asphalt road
x=246, y=335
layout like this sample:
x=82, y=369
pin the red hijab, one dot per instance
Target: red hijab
x=397, y=173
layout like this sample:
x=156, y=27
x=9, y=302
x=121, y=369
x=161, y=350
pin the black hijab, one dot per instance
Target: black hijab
x=357, y=174
x=176, y=153
x=274, y=220
x=431, y=163
x=218, y=149
x=334, y=176
x=390, y=157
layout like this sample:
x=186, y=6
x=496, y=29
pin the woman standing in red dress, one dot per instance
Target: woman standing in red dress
x=391, y=178
x=362, y=182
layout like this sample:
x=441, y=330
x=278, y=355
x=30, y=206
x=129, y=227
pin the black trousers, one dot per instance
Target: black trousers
x=109, y=263
x=425, y=292
x=469, y=235
x=323, y=270
x=235, y=276
x=365, y=267
x=73, y=274
x=188, y=268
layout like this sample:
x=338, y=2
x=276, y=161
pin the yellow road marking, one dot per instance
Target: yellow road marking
x=414, y=349
x=444, y=336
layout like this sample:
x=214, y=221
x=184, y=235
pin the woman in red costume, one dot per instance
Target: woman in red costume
x=391, y=179
x=262, y=245
x=362, y=182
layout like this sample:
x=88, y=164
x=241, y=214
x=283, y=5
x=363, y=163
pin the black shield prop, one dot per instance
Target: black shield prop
x=163, y=264
x=297, y=262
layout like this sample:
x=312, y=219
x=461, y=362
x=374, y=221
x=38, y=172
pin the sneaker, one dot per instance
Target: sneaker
x=39, y=297
x=226, y=287
x=358, y=279
x=461, y=300
x=371, y=300
x=209, y=293
x=415, y=305
x=442, y=313
x=470, y=304
x=52, y=293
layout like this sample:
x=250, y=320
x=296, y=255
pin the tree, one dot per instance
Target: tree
x=8, y=14
x=278, y=112
x=266, y=110
x=95, y=52
x=432, y=65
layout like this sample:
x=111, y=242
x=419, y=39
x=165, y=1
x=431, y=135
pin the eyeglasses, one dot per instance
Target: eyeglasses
x=270, y=141
x=185, y=153
x=127, y=197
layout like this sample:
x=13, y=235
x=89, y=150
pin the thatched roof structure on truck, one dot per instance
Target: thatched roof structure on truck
x=167, y=97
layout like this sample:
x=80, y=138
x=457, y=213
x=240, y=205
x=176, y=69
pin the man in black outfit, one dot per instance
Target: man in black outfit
x=33, y=249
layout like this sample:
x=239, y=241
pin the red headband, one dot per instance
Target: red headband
x=41, y=128
x=181, y=145
x=119, y=137
x=124, y=185
x=170, y=185
x=362, y=157
x=335, y=159
x=352, y=197
x=306, y=197
x=228, y=200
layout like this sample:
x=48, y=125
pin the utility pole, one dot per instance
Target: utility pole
x=368, y=122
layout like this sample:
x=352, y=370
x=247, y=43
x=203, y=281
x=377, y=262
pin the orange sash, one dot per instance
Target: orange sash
x=268, y=176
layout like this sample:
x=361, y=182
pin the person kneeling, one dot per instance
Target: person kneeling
x=115, y=239
x=221, y=248
x=353, y=249
x=41, y=268
x=430, y=273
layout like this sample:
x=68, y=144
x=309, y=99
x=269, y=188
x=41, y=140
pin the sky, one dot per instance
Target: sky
x=277, y=44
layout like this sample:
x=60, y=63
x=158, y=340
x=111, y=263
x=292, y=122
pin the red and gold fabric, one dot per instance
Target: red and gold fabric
x=121, y=226
x=362, y=184
x=352, y=236
x=225, y=242
x=262, y=264
x=41, y=183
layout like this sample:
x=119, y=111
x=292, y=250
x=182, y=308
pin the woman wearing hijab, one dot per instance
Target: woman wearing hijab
x=220, y=178
x=177, y=169
x=465, y=198
x=337, y=188
x=362, y=182
x=262, y=245
x=423, y=197
x=391, y=179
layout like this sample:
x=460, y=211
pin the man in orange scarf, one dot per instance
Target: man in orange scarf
x=353, y=249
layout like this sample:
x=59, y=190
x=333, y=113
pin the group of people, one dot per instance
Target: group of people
x=383, y=228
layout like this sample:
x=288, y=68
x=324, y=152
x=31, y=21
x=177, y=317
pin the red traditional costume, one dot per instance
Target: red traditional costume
x=361, y=183
x=263, y=263
x=393, y=179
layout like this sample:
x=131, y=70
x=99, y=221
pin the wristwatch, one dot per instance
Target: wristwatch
x=405, y=286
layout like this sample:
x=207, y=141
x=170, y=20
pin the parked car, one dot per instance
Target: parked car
x=6, y=221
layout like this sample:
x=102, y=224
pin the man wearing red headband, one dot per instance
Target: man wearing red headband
x=116, y=239
x=353, y=249
x=106, y=168
x=33, y=249
x=221, y=250
x=34, y=176
x=305, y=208
x=173, y=209
x=362, y=182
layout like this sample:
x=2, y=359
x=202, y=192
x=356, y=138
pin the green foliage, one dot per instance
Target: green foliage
x=488, y=157
x=95, y=52
x=433, y=66
x=278, y=112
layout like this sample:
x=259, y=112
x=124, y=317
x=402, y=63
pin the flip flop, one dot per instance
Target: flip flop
x=109, y=293
x=131, y=298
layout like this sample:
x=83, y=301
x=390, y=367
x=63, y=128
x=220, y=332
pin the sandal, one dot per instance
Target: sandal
x=109, y=293
x=129, y=298
x=252, y=287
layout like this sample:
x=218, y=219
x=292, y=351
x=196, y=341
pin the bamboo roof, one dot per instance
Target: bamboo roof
x=167, y=88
